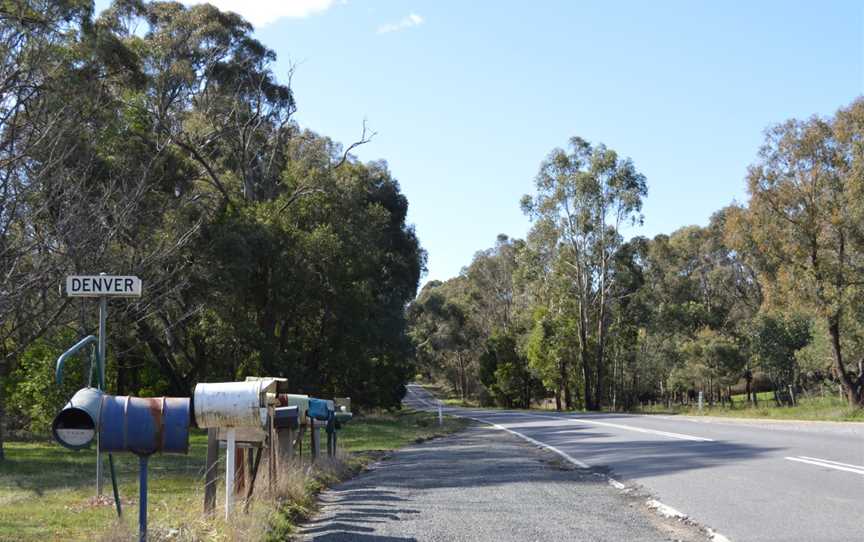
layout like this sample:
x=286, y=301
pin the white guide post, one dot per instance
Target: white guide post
x=229, y=472
x=701, y=400
x=440, y=414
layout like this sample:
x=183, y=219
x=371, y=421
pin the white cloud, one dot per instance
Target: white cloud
x=406, y=22
x=263, y=12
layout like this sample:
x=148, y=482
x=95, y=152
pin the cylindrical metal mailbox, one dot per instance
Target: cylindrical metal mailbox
x=75, y=426
x=145, y=425
x=320, y=409
x=286, y=417
x=230, y=404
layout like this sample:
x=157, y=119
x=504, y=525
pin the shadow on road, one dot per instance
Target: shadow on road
x=488, y=484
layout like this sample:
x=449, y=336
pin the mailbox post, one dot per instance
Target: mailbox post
x=103, y=287
x=233, y=406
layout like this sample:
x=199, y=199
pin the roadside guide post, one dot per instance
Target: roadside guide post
x=102, y=286
x=440, y=413
x=701, y=400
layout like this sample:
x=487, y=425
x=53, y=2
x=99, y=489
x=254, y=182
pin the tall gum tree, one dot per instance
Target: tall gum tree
x=589, y=193
x=805, y=215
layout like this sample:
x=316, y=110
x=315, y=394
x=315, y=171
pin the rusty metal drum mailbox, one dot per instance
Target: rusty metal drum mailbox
x=145, y=426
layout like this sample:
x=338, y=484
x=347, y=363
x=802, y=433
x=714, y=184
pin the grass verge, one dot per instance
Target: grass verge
x=811, y=409
x=47, y=492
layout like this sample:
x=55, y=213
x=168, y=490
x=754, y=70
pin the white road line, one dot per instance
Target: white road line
x=827, y=464
x=832, y=462
x=715, y=536
x=669, y=434
x=664, y=510
x=565, y=455
x=659, y=507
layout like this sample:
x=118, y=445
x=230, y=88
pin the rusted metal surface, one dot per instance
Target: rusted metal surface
x=232, y=404
x=145, y=425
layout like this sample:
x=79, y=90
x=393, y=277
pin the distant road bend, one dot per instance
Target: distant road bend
x=751, y=480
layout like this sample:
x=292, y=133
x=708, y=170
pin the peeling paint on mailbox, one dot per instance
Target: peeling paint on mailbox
x=231, y=404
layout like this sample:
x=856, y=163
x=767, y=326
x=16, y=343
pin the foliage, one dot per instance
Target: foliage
x=766, y=296
x=156, y=141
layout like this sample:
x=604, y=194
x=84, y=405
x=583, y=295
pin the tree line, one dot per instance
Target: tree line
x=155, y=140
x=769, y=295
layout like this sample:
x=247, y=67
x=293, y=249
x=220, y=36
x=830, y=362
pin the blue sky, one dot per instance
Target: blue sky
x=467, y=98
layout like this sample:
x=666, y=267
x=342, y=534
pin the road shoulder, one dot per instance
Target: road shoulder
x=483, y=484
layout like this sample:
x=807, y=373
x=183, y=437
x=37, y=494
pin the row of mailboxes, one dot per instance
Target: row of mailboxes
x=147, y=425
x=239, y=412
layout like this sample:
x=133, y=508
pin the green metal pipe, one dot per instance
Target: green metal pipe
x=114, y=484
x=58, y=371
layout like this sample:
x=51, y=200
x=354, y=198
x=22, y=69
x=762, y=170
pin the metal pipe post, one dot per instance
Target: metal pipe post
x=142, y=498
x=229, y=472
x=114, y=486
x=103, y=317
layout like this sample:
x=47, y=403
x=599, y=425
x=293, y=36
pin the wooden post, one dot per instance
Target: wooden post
x=210, y=471
x=315, y=439
x=239, y=470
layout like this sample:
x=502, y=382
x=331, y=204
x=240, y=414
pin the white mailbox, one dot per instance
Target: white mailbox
x=233, y=404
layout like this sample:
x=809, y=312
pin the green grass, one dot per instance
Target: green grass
x=761, y=396
x=46, y=491
x=813, y=408
x=390, y=431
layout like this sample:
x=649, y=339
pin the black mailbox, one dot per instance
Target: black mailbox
x=287, y=417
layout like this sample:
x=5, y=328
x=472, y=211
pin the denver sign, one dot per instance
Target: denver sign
x=103, y=286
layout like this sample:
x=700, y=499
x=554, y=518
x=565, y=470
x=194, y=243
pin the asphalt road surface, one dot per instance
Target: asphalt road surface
x=483, y=484
x=746, y=480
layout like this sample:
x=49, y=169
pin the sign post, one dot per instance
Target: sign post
x=102, y=286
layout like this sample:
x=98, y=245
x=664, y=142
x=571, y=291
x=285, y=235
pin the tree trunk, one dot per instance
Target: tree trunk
x=2, y=405
x=565, y=386
x=850, y=388
x=601, y=340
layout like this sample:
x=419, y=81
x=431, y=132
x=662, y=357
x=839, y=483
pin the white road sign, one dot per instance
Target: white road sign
x=103, y=285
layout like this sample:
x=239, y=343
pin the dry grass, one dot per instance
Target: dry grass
x=46, y=492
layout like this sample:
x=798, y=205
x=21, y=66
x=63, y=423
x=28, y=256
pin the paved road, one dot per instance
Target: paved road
x=748, y=480
x=483, y=484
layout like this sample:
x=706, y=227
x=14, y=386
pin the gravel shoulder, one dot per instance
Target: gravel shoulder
x=484, y=484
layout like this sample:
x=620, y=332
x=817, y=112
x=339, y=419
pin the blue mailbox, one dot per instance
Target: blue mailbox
x=142, y=426
x=76, y=425
x=321, y=409
x=145, y=425
x=286, y=417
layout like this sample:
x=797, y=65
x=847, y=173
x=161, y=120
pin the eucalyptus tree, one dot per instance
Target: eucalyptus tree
x=447, y=340
x=35, y=120
x=805, y=215
x=588, y=194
